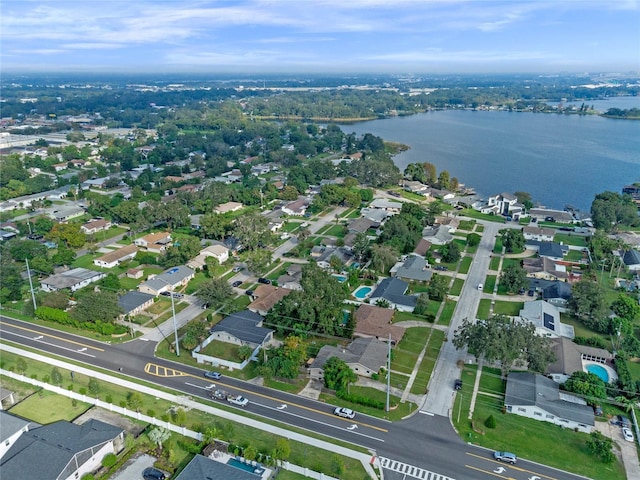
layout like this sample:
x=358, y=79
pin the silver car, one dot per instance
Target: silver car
x=505, y=457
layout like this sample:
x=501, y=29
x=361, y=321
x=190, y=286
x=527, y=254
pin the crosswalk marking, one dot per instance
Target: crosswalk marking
x=411, y=470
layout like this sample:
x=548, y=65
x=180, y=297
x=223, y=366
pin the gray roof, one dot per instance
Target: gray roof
x=172, y=276
x=10, y=424
x=551, y=288
x=132, y=300
x=415, y=268
x=569, y=356
x=530, y=389
x=631, y=257
x=45, y=452
x=202, y=467
x=392, y=289
x=369, y=352
x=71, y=277
x=244, y=326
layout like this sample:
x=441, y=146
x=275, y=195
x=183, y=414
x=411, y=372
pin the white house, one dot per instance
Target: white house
x=154, y=242
x=73, y=279
x=546, y=318
x=169, y=280
x=537, y=233
x=217, y=251
x=11, y=427
x=538, y=397
x=503, y=204
x=116, y=257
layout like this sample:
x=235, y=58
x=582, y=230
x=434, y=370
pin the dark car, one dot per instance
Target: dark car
x=165, y=294
x=249, y=292
x=531, y=293
x=266, y=281
x=213, y=375
x=153, y=474
x=237, y=283
x=621, y=421
x=457, y=384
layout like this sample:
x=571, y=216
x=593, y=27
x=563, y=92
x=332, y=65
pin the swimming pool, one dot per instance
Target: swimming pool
x=340, y=278
x=362, y=292
x=258, y=470
x=598, y=370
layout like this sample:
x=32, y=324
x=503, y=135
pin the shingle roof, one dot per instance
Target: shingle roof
x=631, y=257
x=118, y=254
x=202, y=467
x=10, y=424
x=415, y=268
x=266, y=297
x=172, y=276
x=392, y=289
x=376, y=322
x=244, y=326
x=369, y=352
x=132, y=300
x=43, y=453
x=529, y=389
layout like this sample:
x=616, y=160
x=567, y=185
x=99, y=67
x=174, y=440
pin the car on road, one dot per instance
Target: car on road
x=627, y=434
x=237, y=283
x=531, y=293
x=213, y=375
x=237, y=269
x=153, y=474
x=457, y=385
x=344, y=412
x=266, y=281
x=480, y=286
x=441, y=267
x=506, y=457
x=219, y=395
x=237, y=400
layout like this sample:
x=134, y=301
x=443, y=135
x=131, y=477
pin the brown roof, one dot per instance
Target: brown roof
x=118, y=254
x=423, y=247
x=96, y=224
x=372, y=321
x=266, y=297
x=155, y=237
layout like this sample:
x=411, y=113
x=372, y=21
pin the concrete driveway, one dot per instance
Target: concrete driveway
x=132, y=469
x=627, y=450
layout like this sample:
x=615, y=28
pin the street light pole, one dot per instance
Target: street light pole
x=175, y=326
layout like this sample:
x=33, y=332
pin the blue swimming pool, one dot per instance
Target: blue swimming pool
x=340, y=278
x=258, y=470
x=599, y=371
x=362, y=292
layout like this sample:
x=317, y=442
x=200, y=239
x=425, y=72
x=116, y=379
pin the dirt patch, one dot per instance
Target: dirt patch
x=111, y=418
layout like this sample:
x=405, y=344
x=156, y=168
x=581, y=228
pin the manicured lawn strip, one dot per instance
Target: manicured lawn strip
x=428, y=363
x=471, y=250
x=413, y=340
x=479, y=228
x=507, y=308
x=634, y=368
x=447, y=312
x=335, y=231
x=470, y=212
x=483, y=309
x=489, y=283
x=301, y=454
x=569, y=239
x=401, y=411
x=456, y=288
x=47, y=407
x=498, y=245
x=467, y=225
x=574, y=256
x=506, y=262
x=290, y=226
x=491, y=381
x=225, y=350
x=494, y=264
x=465, y=264
x=195, y=283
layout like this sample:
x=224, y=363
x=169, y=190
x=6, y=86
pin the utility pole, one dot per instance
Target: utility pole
x=388, y=374
x=33, y=296
x=175, y=327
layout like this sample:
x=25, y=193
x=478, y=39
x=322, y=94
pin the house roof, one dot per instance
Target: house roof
x=71, y=277
x=115, y=255
x=423, y=247
x=45, y=452
x=385, y=204
x=569, y=356
x=415, y=268
x=266, y=296
x=392, y=289
x=631, y=257
x=530, y=389
x=201, y=467
x=440, y=233
x=10, y=424
x=372, y=321
x=228, y=207
x=538, y=231
x=160, y=237
x=244, y=326
x=551, y=288
x=369, y=352
x=544, y=315
x=171, y=277
x=361, y=225
x=132, y=300
x=550, y=249
x=96, y=224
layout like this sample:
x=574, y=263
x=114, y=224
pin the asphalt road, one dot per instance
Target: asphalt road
x=423, y=446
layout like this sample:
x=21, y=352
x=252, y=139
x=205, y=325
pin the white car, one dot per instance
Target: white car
x=344, y=412
x=627, y=434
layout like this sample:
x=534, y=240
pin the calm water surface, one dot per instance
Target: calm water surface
x=558, y=159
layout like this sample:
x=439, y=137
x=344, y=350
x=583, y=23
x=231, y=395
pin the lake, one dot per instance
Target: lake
x=558, y=159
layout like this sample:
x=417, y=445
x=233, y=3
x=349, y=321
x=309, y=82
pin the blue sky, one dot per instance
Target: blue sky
x=444, y=36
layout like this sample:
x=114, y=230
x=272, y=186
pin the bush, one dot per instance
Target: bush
x=88, y=476
x=82, y=391
x=490, y=422
x=151, y=413
x=108, y=399
x=360, y=400
x=109, y=460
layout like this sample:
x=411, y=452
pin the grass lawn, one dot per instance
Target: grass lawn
x=506, y=262
x=526, y=437
x=469, y=212
x=489, y=283
x=224, y=350
x=428, y=362
x=447, y=312
x=194, y=284
x=507, y=308
x=47, y=407
x=409, y=316
x=335, y=231
x=465, y=264
x=634, y=368
x=498, y=246
x=456, y=288
x=574, y=256
x=467, y=225
x=495, y=263
x=580, y=330
x=290, y=226
x=167, y=315
x=402, y=409
x=569, y=239
x=483, y=309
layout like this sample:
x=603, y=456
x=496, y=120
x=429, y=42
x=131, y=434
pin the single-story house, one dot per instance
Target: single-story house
x=361, y=225
x=631, y=259
x=539, y=234
x=387, y=205
x=228, y=207
x=437, y=234
x=422, y=247
x=449, y=221
x=374, y=214
x=265, y=297
x=116, y=257
x=95, y=226
x=169, y=280
x=416, y=187
x=73, y=279
x=134, y=302
x=372, y=321
x=61, y=450
x=297, y=207
x=538, y=397
x=201, y=467
x=545, y=268
x=558, y=216
x=242, y=328
x=342, y=254
x=67, y=213
x=555, y=292
x=392, y=290
x=11, y=428
x=546, y=318
x=7, y=235
x=154, y=242
x=569, y=358
x=217, y=251
x=365, y=356
x=414, y=268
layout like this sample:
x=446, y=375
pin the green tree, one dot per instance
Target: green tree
x=444, y=180
x=244, y=352
x=513, y=240
x=215, y=292
x=438, y=287
x=525, y=199
x=422, y=304
x=588, y=303
x=610, y=209
x=338, y=375
x=134, y=401
x=109, y=460
x=92, y=306
x=450, y=252
x=159, y=436
x=251, y=229
x=21, y=365
x=56, y=376
x=67, y=233
x=588, y=385
x=214, y=225
x=601, y=446
x=179, y=416
x=94, y=386
x=282, y=449
x=258, y=260
x=514, y=278
x=510, y=343
x=626, y=307
x=383, y=257
x=473, y=239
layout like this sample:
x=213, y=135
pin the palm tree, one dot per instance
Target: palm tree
x=158, y=436
x=626, y=403
x=346, y=377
